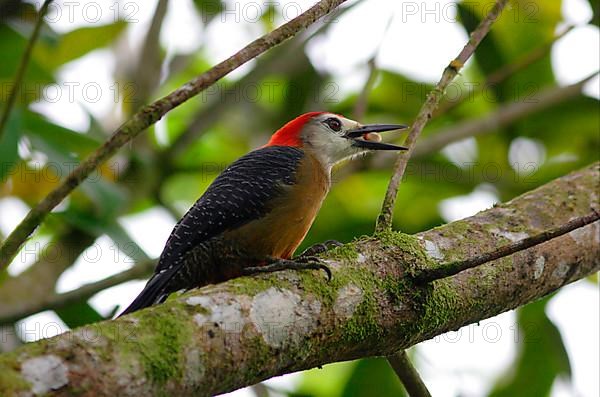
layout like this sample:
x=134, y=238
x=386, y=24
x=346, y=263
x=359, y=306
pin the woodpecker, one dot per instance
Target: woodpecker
x=258, y=210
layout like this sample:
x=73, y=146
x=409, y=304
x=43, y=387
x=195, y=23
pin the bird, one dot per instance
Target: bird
x=255, y=214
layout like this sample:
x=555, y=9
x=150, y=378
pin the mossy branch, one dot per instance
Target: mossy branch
x=226, y=336
x=150, y=114
x=450, y=269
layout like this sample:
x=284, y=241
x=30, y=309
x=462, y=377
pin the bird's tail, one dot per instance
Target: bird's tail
x=154, y=292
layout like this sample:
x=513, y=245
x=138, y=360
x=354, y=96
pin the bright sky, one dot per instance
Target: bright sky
x=466, y=362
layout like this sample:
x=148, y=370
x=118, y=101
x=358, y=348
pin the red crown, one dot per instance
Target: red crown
x=289, y=134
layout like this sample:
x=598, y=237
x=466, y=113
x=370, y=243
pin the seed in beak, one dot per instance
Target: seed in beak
x=372, y=136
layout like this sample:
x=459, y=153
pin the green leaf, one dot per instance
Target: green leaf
x=9, y=142
x=542, y=355
x=209, y=9
x=76, y=43
x=70, y=143
x=489, y=55
x=595, y=4
x=337, y=374
x=534, y=24
x=107, y=196
x=98, y=226
x=397, y=95
x=373, y=374
x=12, y=46
x=125, y=243
x=79, y=314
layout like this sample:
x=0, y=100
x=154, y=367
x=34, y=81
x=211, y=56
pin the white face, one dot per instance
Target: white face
x=324, y=136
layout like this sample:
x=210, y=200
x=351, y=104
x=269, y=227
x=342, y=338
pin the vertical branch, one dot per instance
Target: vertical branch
x=147, y=70
x=410, y=378
x=362, y=102
x=400, y=363
x=384, y=220
x=10, y=102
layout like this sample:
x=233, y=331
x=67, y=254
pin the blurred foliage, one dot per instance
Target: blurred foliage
x=541, y=358
x=36, y=152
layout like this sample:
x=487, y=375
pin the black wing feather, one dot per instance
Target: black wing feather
x=240, y=194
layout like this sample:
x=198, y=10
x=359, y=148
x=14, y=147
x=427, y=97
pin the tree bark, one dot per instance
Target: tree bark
x=223, y=337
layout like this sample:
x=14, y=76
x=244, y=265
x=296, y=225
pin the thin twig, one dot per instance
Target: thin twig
x=410, y=378
x=362, y=102
x=10, y=102
x=526, y=60
x=384, y=220
x=84, y=292
x=279, y=61
x=504, y=115
x=452, y=268
x=507, y=71
x=147, y=71
x=149, y=115
x=260, y=390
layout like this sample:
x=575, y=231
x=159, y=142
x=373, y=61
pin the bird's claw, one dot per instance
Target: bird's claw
x=320, y=266
x=285, y=264
x=317, y=249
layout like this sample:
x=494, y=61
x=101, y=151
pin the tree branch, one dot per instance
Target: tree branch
x=52, y=301
x=362, y=102
x=384, y=221
x=226, y=336
x=146, y=73
x=507, y=71
x=399, y=361
x=410, y=378
x=17, y=294
x=10, y=102
x=450, y=269
x=150, y=114
x=504, y=115
x=279, y=60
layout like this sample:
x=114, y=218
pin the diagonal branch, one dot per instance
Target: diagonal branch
x=504, y=115
x=54, y=301
x=16, y=294
x=22, y=68
x=384, y=221
x=279, y=60
x=226, y=336
x=506, y=71
x=149, y=115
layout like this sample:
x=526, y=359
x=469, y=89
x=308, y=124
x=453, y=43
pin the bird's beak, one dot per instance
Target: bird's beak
x=372, y=145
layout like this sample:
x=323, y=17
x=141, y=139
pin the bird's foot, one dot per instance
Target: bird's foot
x=277, y=264
x=309, y=253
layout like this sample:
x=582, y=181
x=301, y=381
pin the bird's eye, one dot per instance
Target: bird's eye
x=334, y=124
